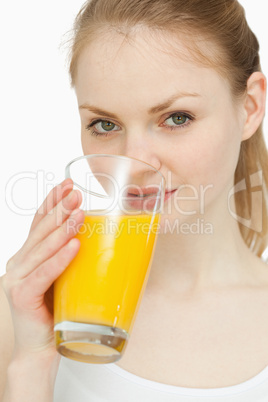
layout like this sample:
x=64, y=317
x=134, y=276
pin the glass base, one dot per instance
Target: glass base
x=90, y=343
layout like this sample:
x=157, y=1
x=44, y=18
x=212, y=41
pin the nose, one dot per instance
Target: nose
x=139, y=146
x=145, y=186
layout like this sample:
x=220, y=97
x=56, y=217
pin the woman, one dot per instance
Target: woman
x=178, y=85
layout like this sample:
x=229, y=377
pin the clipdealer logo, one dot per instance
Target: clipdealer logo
x=41, y=183
x=255, y=221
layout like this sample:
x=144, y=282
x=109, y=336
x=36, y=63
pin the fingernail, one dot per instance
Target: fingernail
x=66, y=186
x=72, y=244
x=75, y=213
x=65, y=182
x=71, y=196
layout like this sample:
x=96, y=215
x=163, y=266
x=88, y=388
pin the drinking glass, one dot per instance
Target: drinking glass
x=97, y=297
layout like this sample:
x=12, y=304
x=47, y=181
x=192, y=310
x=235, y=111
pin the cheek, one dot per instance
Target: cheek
x=93, y=145
x=218, y=148
x=90, y=146
x=203, y=172
x=209, y=159
x=216, y=163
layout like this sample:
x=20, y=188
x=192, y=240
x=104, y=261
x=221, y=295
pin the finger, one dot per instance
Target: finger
x=47, y=273
x=44, y=250
x=47, y=225
x=55, y=217
x=28, y=294
x=53, y=198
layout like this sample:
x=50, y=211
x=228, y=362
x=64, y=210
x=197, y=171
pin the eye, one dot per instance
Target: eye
x=102, y=127
x=177, y=120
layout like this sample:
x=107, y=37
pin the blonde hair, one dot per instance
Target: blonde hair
x=235, y=55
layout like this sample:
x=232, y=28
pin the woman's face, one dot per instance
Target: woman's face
x=141, y=100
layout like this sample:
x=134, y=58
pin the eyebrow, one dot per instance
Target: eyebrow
x=155, y=109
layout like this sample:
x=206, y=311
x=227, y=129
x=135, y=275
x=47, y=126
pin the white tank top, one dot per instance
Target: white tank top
x=82, y=382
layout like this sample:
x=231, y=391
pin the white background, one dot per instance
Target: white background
x=39, y=124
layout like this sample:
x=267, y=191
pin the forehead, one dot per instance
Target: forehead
x=141, y=67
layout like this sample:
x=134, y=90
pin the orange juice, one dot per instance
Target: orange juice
x=104, y=283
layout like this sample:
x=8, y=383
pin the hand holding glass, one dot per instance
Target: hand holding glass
x=97, y=297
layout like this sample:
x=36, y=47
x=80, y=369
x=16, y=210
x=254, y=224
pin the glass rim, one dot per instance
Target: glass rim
x=112, y=156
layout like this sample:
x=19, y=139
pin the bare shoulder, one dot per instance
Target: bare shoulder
x=6, y=336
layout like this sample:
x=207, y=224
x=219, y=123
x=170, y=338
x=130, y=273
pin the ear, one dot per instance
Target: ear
x=254, y=105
